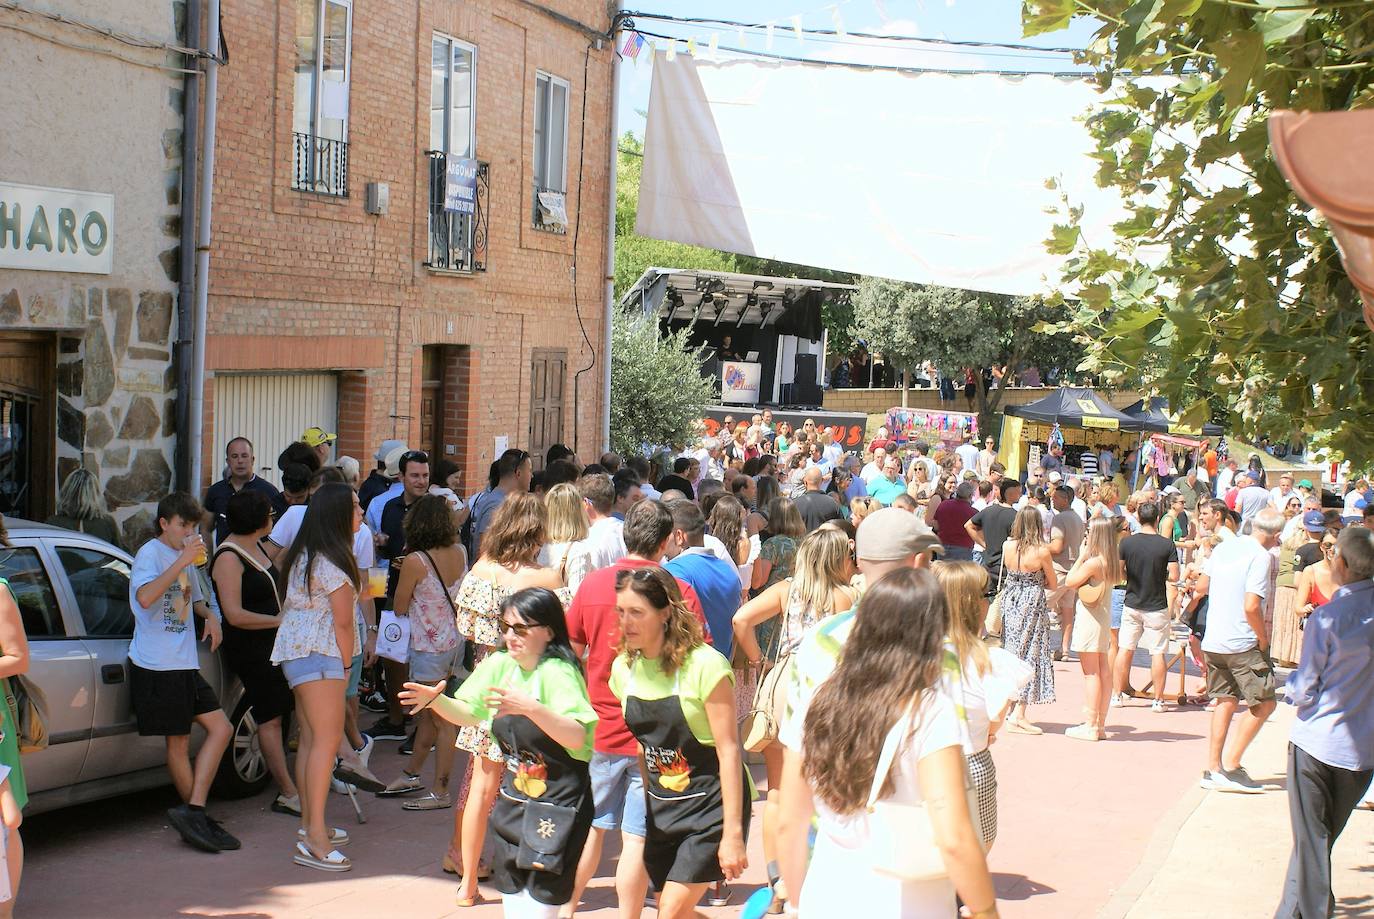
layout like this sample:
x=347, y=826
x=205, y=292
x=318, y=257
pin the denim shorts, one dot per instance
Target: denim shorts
x=618, y=794
x=355, y=673
x=310, y=668
x=432, y=666
x=1118, y=605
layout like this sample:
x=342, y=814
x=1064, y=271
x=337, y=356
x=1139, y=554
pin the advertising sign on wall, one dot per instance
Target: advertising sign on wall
x=460, y=186
x=56, y=229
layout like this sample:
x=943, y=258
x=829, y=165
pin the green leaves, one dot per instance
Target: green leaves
x=1281, y=24
x=1039, y=16
x=657, y=391
x=1240, y=56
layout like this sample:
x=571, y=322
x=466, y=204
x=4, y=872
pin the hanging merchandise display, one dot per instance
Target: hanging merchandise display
x=907, y=425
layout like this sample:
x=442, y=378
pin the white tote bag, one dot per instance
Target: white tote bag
x=393, y=637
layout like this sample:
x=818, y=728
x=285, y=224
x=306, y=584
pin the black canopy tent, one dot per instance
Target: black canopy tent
x=1076, y=408
x=1157, y=418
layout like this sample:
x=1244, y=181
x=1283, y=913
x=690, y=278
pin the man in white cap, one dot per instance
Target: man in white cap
x=391, y=469
x=377, y=481
x=890, y=539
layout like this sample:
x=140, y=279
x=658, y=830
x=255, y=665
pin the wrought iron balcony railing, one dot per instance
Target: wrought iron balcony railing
x=320, y=165
x=457, y=242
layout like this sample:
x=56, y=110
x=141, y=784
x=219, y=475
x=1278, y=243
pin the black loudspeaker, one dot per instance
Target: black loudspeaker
x=806, y=391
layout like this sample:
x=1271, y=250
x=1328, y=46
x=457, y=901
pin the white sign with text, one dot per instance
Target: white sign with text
x=56, y=229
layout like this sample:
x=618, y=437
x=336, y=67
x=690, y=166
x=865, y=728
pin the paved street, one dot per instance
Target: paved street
x=1117, y=829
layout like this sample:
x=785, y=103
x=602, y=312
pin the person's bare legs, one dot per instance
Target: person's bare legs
x=1097, y=689
x=1111, y=659
x=274, y=753
x=396, y=676
x=586, y=869
x=1249, y=726
x=14, y=846
x=1121, y=673
x=772, y=760
x=486, y=782
x=179, y=764
x=305, y=742
x=631, y=878
x=679, y=901
x=352, y=733
x=1221, y=724
x=217, y=735
x=1159, y=672
x=322, y=703
x=432, y=731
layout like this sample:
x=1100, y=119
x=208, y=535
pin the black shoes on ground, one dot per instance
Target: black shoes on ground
x=199, y=830
x=386, y=730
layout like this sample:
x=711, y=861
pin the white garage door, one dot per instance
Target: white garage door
x=271, y=410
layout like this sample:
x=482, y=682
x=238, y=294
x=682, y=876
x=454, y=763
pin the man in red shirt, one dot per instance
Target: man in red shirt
x=617, y=785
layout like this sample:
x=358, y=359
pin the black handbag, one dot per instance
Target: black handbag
x=544, y=834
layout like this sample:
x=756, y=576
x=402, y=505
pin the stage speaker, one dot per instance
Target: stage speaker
x=805, y=389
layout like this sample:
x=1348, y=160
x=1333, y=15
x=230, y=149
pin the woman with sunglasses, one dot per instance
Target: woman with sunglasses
x=509, y=562
x=1317, y=582
x=533, y=696
x=678, y=697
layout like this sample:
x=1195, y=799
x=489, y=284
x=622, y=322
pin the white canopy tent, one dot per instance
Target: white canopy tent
x=930, y=178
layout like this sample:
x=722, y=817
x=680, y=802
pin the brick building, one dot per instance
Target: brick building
x=343, y=293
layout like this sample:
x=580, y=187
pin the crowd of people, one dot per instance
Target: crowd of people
x=609, y=643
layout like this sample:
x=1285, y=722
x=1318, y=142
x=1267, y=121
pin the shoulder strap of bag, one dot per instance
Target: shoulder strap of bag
x=247, y=560
x=891, y=744
x=443, y=587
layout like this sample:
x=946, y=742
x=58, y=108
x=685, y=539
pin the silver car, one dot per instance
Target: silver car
x=73, y=596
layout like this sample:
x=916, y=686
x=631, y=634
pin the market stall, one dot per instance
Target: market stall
x=1079, y=418
x=907, y=425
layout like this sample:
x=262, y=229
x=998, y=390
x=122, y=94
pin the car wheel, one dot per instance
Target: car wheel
x=243, y=768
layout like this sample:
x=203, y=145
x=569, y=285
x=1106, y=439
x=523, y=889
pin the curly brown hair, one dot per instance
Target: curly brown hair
x=429, y=524
x=681, y=628
x=892, y=656
x=517, y=532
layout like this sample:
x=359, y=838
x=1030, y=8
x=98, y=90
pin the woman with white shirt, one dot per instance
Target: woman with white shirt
x=887, y=688
x=316, y=639
x=567, y=550
x=991, y=679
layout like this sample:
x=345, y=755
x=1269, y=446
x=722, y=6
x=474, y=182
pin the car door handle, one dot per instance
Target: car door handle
x=112, y=673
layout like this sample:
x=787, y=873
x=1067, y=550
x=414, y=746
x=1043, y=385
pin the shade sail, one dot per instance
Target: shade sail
x=1077, y=408
x=929, y=178
x=1156, y=417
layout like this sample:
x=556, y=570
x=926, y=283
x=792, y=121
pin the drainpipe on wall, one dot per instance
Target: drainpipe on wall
x=195, y=432
x=610, y=238
x=190, y=110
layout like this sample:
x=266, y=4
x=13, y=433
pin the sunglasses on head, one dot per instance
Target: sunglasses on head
x=521, y=629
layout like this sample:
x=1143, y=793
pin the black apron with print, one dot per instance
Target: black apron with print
x=538, y=768
x=686, y=816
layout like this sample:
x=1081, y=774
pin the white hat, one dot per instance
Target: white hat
x=1055, y=477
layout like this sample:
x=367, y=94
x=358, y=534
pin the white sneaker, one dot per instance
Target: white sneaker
x=340, y=788
x=1157, y=705
x=1118, y=699
x=365, y=754
x=1236, y=781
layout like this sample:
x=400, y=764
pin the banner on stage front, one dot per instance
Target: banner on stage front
x=739, y=381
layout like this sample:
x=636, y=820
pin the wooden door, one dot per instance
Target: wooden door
x=547, y=370
x=431, y=402
x=28, y=409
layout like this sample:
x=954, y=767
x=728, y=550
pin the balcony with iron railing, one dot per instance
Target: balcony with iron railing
x=457, y=242
x=319, y=165
x=550, y=210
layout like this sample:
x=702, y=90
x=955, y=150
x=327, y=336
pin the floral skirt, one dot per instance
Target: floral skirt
x=1285, y=645
x=476, y=739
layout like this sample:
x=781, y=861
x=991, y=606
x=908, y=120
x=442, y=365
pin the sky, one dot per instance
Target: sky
x=958, y=20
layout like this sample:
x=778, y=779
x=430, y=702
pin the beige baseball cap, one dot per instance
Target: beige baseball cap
x=891, y=534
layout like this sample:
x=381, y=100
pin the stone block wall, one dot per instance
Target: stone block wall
x=116, y=130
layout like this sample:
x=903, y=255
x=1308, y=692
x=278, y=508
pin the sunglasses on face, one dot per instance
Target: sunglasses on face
x=521, y=629
x=1328, y=547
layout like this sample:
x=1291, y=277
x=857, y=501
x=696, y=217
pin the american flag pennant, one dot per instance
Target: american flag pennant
x=633, y=43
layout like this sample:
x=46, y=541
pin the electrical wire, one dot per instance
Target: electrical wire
x=705, y=20
x=125, y=38
x=577, y=229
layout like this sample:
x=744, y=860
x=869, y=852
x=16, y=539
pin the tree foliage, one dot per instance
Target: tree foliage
x=1247, y=306
x=954, y=329
x=658, y=392
x=635, y=253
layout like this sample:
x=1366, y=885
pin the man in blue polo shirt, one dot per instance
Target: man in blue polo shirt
x=715, y=580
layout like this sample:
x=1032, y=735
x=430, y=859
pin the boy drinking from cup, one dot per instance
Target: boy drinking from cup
x=165, y=685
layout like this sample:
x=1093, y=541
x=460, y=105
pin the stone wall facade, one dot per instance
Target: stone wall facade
x=116, y=130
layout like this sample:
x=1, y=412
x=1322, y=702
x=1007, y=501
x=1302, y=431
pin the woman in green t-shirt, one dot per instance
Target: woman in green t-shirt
x=533, y=698
x=679, y=702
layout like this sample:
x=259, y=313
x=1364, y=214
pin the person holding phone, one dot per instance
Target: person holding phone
x=532, y=695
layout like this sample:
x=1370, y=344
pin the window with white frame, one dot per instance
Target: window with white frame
x=550, y=151
x=324, y=36
x=452, y=94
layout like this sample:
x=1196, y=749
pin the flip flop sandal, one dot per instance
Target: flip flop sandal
x=334, y=861
x=351, y=775
x=337, y=837
x=475, y=900
x=428, y=802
